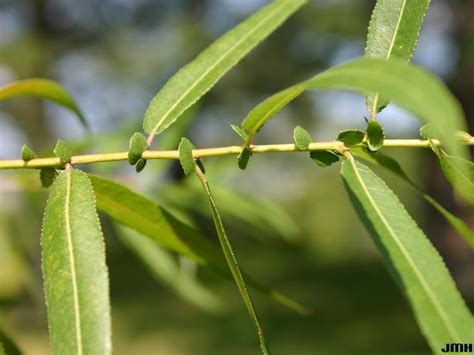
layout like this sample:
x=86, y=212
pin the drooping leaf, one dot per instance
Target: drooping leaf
x=393, y=33
x=415, y=263
x=42, y=88
x=240, y=132
x=186, y=159
x=232, y=263
x=146, y=217
x=8, y=346
x=74, y=270
x=407, y=85
x=351, y=137
x=199, y=76
x=47, y=176
x=393, y=166
x=138, y=145
x=375, y=136
x=244, y=157
x=166, y=269
x=302, y=138
x=324, y=158
x=62, y=151
x=27, y=153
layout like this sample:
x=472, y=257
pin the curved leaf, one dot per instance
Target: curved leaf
x=45, y=89
x=393, y=33
x=423, y=94
x=199, y=76
x=417, y=266
x=232, y=263
x=146, y=217
x=74, y=270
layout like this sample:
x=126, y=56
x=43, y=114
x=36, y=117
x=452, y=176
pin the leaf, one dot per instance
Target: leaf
x=7, y=345
x=201, y=166
x=75, y=274
x=146, y=217
x=351, y=137
x=27, y=153
x=302, y=138
x=140, y=165
x=199, y=76
x=42, y=88
x=186, y=159
x=375, y=135
x=241, y=132
x=47, y=176
x=165, y=268
x=62, y=152
x=232, y=263
x=393, y=166
x=244, y=157
x=138, y=145
x=324, y=158
x=393, y=33
x=458, y=224
x=271, y=106
x=417, y=266
x=423, y=95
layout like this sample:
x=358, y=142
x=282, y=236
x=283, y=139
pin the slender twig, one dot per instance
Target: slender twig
x=208, y=152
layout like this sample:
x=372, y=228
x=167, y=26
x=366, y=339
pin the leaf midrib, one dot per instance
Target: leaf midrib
x=67, y=216
x=417, y=272
x=390, y=49
x=216, y=63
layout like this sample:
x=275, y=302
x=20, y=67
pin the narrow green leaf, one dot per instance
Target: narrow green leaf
x=244, y=157
x=165, y=268
x=140, y=165
x=146, y=217
x=199, y=76
x=42, y=88
x=375, y=135
x=8, y=346
x=270, y=107
x=351, y=137
x=27, y=153
x=241, y=132
x=47, y=176
x=138, y=145
x=393, y=166
x=417, y=266
x=232, y=263
x=324, y=158
x=422, y=94
x=74, y=270
x=186, y=159
x=62, y=152
x=393, y=33
x=302, y=138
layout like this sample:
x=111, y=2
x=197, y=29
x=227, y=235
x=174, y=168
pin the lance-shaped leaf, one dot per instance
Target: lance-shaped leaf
x=407, y=85
x=42, y=88
x=394, y=167
x=146, y=217
x=74, y=270
x=415, y=263
x=199, y=76
x=232, y=263
x=393, y=33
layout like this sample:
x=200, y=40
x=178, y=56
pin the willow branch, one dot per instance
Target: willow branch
x=208, y=152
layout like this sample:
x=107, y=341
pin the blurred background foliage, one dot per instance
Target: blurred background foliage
x=290, y=221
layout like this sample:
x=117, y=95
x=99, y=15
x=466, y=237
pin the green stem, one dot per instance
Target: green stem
x=208, y=152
